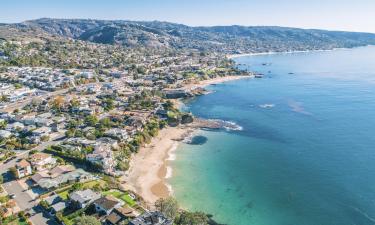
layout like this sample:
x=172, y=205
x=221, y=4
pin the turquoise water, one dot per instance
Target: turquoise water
x=306, y=153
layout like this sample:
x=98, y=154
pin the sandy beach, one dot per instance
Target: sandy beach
x=217, y=80
x=149, y=167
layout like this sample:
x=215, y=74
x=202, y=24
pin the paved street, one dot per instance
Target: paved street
x=22, y=198
x=25, y=200
x=4, y=167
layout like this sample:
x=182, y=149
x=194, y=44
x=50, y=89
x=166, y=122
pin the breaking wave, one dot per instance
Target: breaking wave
x=228, y=125
x=169, y=172
x=267, y=106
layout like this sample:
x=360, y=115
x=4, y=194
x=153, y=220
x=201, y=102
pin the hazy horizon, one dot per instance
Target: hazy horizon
x=328, y=15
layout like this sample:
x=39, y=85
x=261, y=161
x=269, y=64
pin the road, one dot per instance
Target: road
x=27, y=202
x=22, y=198
x=20, y=104
x=4, y=167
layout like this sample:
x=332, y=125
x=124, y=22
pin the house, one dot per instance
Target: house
x=177, y=93
x=135, y=121
x=117, y=133
x=5, y=134
x=107, y=204
x=84, y=198
x=57, y=127
x=41, y=161
x=79, y=141
x=151, y=218
x=42, y=131
x=58, y=207
x=87, y=74
x=118, y=74
x=23, y=168
x=53, y=199
x=40, y=121
x=103, y=156
x=16, y=126
x=60, y=175
x=119, y=215
x=63, y=169
x=107, y=141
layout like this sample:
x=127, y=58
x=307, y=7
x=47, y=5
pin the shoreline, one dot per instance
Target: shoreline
x=216, y=80
x=233, y=56
x=149, y=168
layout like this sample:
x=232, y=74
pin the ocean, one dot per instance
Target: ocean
x=305, y=150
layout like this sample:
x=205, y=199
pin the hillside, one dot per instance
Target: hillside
x=155, y=34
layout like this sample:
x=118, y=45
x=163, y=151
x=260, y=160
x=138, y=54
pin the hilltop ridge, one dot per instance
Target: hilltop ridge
x=156, y=34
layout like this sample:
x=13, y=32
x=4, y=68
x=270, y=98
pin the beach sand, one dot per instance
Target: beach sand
x=216, y=80
x=148, y=168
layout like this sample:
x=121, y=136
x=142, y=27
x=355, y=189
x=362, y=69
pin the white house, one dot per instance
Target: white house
x=84, y=198
x=103, y=156
x=23, y=168
x=107, y=204
x=41, y=161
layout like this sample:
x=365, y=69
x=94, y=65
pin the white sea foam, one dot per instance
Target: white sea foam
x=188, y=138
x=228, y=125
x=232, y=126
x=266, y=106
x=170, y=189
x=171, y=152
x=169, y=172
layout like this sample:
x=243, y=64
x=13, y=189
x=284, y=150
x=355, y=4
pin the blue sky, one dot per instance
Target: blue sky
x=354, y=15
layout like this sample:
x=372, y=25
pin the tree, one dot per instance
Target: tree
x=1, y=179
x=4, y=98
x=3, y=124
x=123, y=165
x=32, y=152
x=105, y=122
x=74, y=102
x=44, y=138
x=44, y=204
x=86, y=220
x=58, y=102
x=91, y=120
x=13, y=171
x=192, y=218
x=107, y=104
x=168, y=206
x=77, y=186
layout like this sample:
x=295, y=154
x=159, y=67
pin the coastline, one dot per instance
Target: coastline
x=233, y=56
x=149, y=168
x=216, y=80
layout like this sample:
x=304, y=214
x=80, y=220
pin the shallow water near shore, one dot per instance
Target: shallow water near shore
x=305, y=154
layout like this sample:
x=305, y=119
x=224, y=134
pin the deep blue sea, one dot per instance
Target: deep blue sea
x=306, y=151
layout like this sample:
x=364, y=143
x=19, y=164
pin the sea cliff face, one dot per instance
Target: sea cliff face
x=304, y=153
